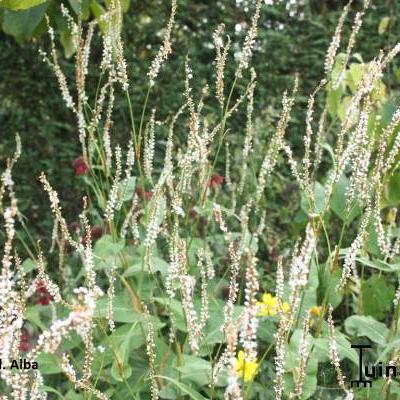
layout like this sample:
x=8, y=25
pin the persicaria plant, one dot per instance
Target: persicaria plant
x=177, y=278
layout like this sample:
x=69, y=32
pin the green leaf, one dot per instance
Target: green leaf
x=338, y=201
x=379, y=265
x=123, y=311
x=157, y=264
x=328, y=282
x=193, y=394
x=106, y=247
x=29, y=265
x=22, y=24
x=175, y=307
x=319, y=200
x=360, y=325
x=342, y=110
x=81, y=8
x=333, y=101
x=72, y=395
x=392, y=191
x=20, y=4
x=98, y=10
x=377, y=295
x=196, y=370
x=266, y=330
x=49, y=364
x=343, y=345
x=121, y=369
x=383, y=25
x=67, y=42
x=32, y=314
x=126, y=189
x=292, y=363
x=354, y=76
x=125, y=5
x=49, y=389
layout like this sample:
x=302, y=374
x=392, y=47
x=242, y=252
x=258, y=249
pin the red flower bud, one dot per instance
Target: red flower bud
x=216, y=180
x=95, y=233
x=192, y=213
x=25, y=341
x=42, y=295
x=80, y=166
x=141, y=193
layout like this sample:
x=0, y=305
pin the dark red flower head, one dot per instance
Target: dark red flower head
x=25, y=341
x=75, y=227
x=80, y=166
x=95, y=233
x=141, y=193
x=216, y=180
x=192, y=213
x=42, y=295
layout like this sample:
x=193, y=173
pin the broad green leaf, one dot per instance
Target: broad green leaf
x=321, y=348
x=106, y=247
x=125, y=5
x=175, y=307
x=32, y=314
x=319, y=200
x=377, y=296
x=22, y=24
x=383, y=25
x=333, y=101
x=29, y=265
x=193, y=394
x=126, y=189
x=372, y=241
x=157, y=265
x=266, y=330
x=122, y=308
x=20, y=4
x=354, y=75
x=107, y=253
x=121, y=369
x=67, y=42
x=136, y=336
x=360, y=325
x=338, y=201
x=328, y=282
x=392, y=191
x=196, y=370
x=49, y=389
x=81, y=8
x=292, y=363
x=124, y=311
x=98, y=10
x=212, y=331
x=342, y=110
x=72, y=395
x=49, y=364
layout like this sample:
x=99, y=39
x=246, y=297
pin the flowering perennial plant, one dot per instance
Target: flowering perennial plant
x=159, y=291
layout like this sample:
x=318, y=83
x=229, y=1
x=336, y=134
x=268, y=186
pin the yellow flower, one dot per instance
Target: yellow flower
x=269, y=306
x=316, y=311
x=285, y=308
x=246, y=369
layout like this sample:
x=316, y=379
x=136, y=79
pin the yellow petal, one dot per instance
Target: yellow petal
x=267, y=298
x=285, y=308
x=316, y=311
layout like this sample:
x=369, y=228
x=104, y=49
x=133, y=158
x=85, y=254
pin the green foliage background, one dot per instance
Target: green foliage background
x=287, y=45
x=31, y=105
